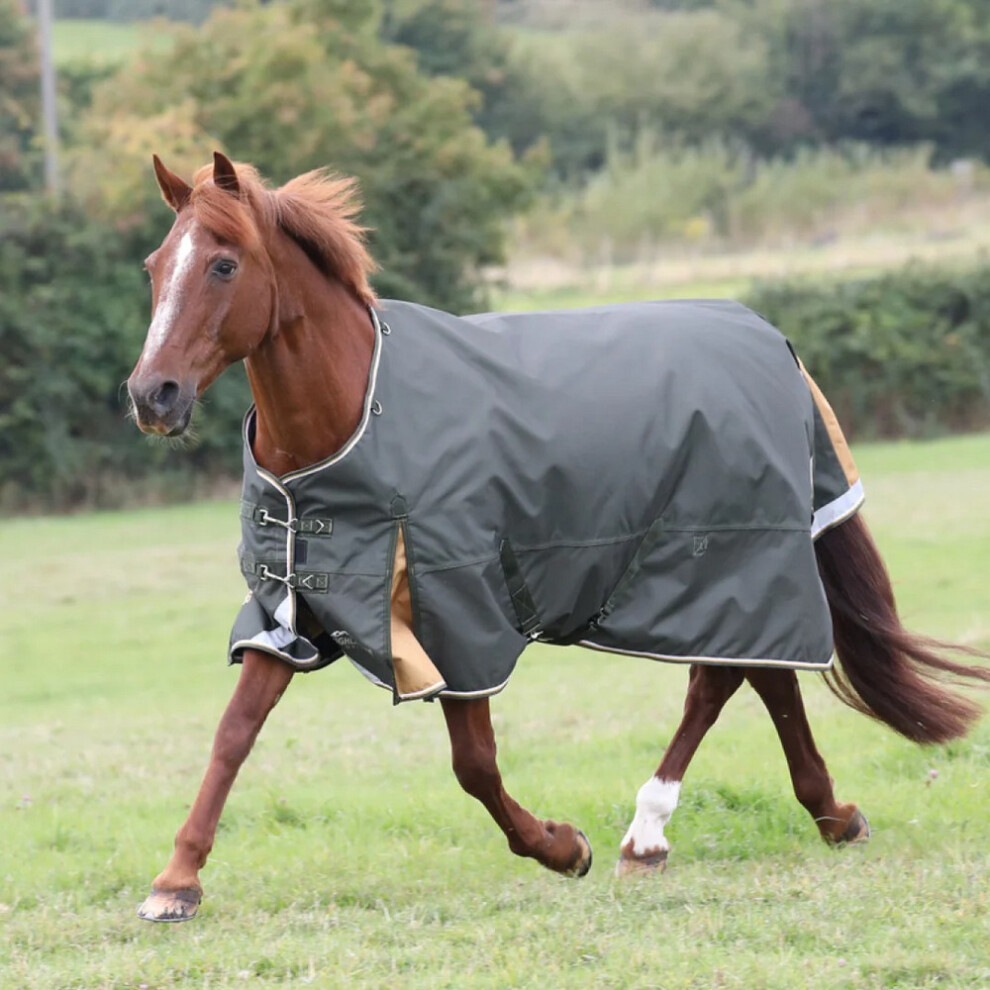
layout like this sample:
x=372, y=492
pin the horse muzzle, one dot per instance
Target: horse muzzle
x=162, y=407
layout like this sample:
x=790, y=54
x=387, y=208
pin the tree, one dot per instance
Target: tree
x=304, y=84
x=73, y=313
x=888, y=72
x=19, y=99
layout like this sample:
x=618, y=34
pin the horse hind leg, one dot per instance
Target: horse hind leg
x=556, y=845
x=645, y=847
x=780, y=692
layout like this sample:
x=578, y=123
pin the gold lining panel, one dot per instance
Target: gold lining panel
x=415, y=673
x=839, y=442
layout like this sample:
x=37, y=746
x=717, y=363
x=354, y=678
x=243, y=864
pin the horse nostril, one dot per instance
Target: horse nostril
x=163, y=399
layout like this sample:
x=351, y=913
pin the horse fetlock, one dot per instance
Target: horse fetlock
x=177, y=876
x=193, y=843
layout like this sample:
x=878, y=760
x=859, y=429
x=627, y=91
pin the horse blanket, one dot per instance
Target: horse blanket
x=645, y=479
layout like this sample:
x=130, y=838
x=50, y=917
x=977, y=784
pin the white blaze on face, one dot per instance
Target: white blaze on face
x=655, y=803
x=172, y=294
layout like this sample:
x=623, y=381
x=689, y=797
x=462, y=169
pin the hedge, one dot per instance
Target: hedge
x=905, y=354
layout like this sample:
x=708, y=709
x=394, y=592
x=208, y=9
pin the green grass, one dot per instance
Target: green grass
x=349, y=857
x=109, y=42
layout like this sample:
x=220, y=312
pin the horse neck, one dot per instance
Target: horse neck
x=310, y=374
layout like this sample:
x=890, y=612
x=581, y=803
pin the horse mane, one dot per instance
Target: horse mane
x=317, y=209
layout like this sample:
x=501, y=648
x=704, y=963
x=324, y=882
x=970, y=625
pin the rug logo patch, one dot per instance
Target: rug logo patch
x=700, y=545
x=344, y=639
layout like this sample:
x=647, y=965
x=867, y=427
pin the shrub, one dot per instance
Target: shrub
x=904, y=354
x=73, y=313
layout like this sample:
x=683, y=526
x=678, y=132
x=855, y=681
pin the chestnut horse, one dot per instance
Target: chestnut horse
x=279, y=279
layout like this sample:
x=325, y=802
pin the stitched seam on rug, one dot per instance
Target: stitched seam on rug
x=733, y=528
x=603, y=541
x=456, y=564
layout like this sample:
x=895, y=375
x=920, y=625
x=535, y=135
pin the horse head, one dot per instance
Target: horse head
x=213, y=295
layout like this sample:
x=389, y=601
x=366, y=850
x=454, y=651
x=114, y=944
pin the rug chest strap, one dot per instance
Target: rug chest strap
x=317, y=581
x=312, y=526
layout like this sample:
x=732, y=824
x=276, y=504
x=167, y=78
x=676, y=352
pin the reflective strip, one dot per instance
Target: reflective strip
x=723, y=661
x=838, y=510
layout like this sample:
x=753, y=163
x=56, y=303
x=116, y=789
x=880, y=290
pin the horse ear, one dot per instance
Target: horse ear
x=224, y=174
x=175, y=191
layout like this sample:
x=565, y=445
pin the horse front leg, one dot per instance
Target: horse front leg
x=558, y=846
x=645, y=847
x=176, y=891
x=780, y=692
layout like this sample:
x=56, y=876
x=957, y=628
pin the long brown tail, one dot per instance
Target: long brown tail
x=885, y=671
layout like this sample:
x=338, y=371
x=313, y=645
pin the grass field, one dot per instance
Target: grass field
x=348, y=856
x=108, y=42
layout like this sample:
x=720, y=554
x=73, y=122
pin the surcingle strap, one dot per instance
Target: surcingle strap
x=522, y=600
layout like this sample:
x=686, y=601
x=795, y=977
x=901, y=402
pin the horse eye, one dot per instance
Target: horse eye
x=225, y=268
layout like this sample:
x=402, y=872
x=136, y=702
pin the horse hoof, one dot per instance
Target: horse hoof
x=635, y=865
x=171, y=905
x=858, y=830
x=583, y=862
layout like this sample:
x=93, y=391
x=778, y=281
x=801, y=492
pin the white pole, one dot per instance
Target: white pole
x=48, y=96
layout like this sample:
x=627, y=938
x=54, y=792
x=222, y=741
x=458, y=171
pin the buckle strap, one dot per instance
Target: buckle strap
x=316, y=581
x=312, y=526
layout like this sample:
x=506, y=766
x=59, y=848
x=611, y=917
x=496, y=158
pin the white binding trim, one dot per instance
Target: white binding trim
x=288, y=619
x=725, y=661
x=484, y=693
x=377, y=681
x=838, y=510
x=369, y=400
x=427, y=692
x=262, y=645
x=423, y=692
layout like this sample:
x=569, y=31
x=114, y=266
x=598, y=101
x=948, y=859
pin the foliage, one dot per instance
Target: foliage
x=460, y=39
x=19, y=99
x=777, y=75
x=138, y=10
x=904, y=354
x=304, y=84
x=884, y=71
x=72, y=320
x=718, y=193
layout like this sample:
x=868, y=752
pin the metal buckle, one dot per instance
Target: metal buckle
x=311, y=581
x=263, y=517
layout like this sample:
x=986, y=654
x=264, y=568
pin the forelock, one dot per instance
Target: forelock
x=230, y=218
